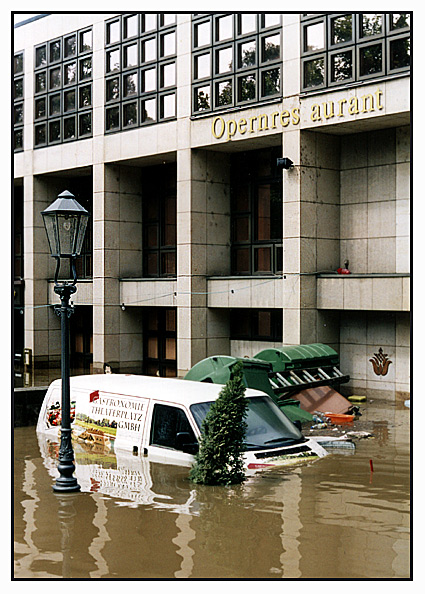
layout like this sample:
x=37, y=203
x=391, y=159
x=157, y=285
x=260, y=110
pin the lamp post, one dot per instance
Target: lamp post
x=65, y=221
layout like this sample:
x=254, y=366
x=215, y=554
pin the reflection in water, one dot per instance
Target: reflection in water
x=138, y=519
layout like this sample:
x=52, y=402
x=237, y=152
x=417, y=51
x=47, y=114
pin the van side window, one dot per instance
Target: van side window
x=167, y=422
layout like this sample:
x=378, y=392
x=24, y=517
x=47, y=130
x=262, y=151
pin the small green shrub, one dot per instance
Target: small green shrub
x=220, y=457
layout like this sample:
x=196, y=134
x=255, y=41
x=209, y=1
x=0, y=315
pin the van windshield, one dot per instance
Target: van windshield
x=268, y=426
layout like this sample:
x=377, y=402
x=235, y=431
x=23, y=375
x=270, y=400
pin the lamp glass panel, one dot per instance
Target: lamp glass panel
x=51, y=231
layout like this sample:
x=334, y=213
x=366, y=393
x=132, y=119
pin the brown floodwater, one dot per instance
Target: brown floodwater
x=330, y=518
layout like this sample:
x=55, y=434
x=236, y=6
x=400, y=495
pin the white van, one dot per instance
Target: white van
x=162, y=417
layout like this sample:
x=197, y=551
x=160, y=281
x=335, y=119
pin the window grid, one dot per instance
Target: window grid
x=63, y=100
x=140, y=70
x=18, y=102
x=351, y=47
x=236, y=60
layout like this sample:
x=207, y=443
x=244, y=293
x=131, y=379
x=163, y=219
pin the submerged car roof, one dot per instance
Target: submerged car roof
x=159, y=388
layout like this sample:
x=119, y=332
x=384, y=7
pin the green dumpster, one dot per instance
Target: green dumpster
x=256, y=373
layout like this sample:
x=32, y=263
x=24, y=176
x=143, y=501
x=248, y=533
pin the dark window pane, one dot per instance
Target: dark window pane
x=400, y=53
x=371, y=24
x=40, y=82
x=370, y=59
x=271, y=48
x=85, y=124
x=202, y=34
x=54, y=131
x=314, y=72
x=18, y=64
x=341, y=66
x=113, y=118
x=314, y=37
x=55, y=51
x=148, y=50
x=40, y=134
x=247, y=54
x=152, y=264
x=170, y=320
x=224, y=93
x=262, y=259
x=270, y=80
x=130, y=85
x=70, y=46
x=85, y=96
x=113, y=33
x=170, y=214
x=18, y=139
x=70, y=73
x=54, y=104
x=129, y=116
x=170, y=348
x=246, y=88
x=18, y=113
x=263, y=213
x=341, y=29
x=18, y=88
x=54, y=78
x=152, y=236
x=112, y=88
x=264, y=324
x=203, y=98
x=40, y=56
x=168, y=263
x=69, y=101
x=241, y=259
x=149, y=110
x=241, y=201
x=240, y=324
x=85, y=68
x=400, y=20
x=40, y=108
x=69, y=128
x=241, y=229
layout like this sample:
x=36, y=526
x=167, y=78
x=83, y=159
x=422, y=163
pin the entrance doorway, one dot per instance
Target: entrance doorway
x=160, y=341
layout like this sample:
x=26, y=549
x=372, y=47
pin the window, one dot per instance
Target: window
x=160, y=341
x=233, y=55
x=167, y=422
x=256, y=214
x=350, y=47
x=18, y=104
x=146, y=45
x=160, y=223
x=63, y=84
x=256, y=324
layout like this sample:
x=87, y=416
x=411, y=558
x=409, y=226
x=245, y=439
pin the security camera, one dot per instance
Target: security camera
x=284, y=163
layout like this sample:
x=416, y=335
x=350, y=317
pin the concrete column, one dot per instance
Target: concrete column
x=117, y=252
x=203, y=249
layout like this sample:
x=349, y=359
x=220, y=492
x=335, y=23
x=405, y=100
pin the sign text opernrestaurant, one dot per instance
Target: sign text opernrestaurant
x=319, y=112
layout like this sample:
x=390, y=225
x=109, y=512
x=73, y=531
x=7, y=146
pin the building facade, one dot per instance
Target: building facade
x=171, y=129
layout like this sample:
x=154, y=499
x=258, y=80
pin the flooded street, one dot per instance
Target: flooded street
x=330, y=518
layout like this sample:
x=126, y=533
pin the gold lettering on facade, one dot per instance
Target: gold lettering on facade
x=354, y=106
x=285, y=114
x=325, y=110
x=242, y=126
x=263, y=118
x=341, y=103
x=364, y=99
x=379, y=94
x=231, y=128
x=223, y=127
x=295, y=115
x=274, y=115
x=251, y=121
x=315, y=113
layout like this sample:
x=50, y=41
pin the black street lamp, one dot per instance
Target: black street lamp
x=65, y=221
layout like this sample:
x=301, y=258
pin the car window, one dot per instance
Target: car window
x=167, y=422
